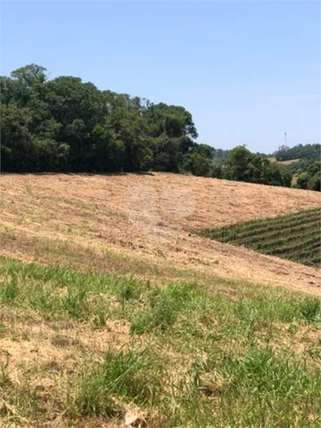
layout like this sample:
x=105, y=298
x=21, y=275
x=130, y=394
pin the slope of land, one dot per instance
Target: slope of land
x=94, y=350
x=82, y=221
x=126, y=318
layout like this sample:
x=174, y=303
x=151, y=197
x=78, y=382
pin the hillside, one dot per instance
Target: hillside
x=81, y=221
x=114, y=313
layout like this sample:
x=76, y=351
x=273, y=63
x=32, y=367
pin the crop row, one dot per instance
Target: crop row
x=309, y=254
x=270, y=233
x=294, y=236
x=287, y=241
x=258, y=226
x=297, y=245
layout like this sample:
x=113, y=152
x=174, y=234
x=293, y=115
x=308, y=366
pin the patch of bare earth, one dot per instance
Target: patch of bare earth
x=41, y=213
x=286, y=162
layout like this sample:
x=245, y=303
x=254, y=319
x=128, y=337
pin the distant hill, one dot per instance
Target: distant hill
x=310, y=152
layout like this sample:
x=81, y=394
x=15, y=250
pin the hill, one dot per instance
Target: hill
x=114, y=313
x=303, y=162
x=53, y=218
x=65, y=125
x=309, y=152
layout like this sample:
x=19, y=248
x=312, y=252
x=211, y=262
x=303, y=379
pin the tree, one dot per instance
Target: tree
x=18, y=153
x=303, y=180
x=242, y=165
x=30, y=75
x=238, y=164
x=314, y=182
x=197, y=164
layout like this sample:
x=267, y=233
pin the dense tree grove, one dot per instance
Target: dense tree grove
x=242, y=165
x=306, y=168
x=66, y=125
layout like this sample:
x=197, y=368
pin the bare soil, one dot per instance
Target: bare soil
x=286, y=162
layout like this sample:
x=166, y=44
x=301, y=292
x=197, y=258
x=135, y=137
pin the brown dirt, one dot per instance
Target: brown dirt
x=286, y=162
x=88, y=213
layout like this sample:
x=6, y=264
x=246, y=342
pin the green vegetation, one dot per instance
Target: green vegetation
x=192, y=357
x=242, y=165
x=307, y=170
x=310, y=178
x=65, y=125
x=310, y=152
x=294, y=236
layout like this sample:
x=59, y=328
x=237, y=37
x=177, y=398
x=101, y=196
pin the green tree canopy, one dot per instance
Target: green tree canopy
x=65, y=124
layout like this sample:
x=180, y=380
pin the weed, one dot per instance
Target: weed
x=9, y=291
x=261, y=389
x=4, y=372
x=165, y=305
x=128, y=290
x=132, y=377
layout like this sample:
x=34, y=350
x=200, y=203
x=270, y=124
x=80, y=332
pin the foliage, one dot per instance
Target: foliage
x=310, y=179
x=242, y=165
x=66, y=125
x=294, y=236
x=306, y=168
x=307, y=151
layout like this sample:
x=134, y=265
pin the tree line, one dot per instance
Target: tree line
x=306, y=168
x=67, y=125
x=310, y=152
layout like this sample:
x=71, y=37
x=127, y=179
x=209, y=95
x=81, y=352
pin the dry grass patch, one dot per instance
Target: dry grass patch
x=42, y=213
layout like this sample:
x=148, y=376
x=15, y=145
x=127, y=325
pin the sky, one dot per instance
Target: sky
x=248, y=71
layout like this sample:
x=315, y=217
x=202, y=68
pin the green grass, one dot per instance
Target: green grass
x=295, y=236
x=133, y=377
x=259, y=386
x=194, y=358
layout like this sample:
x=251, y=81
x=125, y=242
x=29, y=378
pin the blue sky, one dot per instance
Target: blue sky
x=248, y=71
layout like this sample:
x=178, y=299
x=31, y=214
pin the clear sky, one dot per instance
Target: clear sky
x=248, y=71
